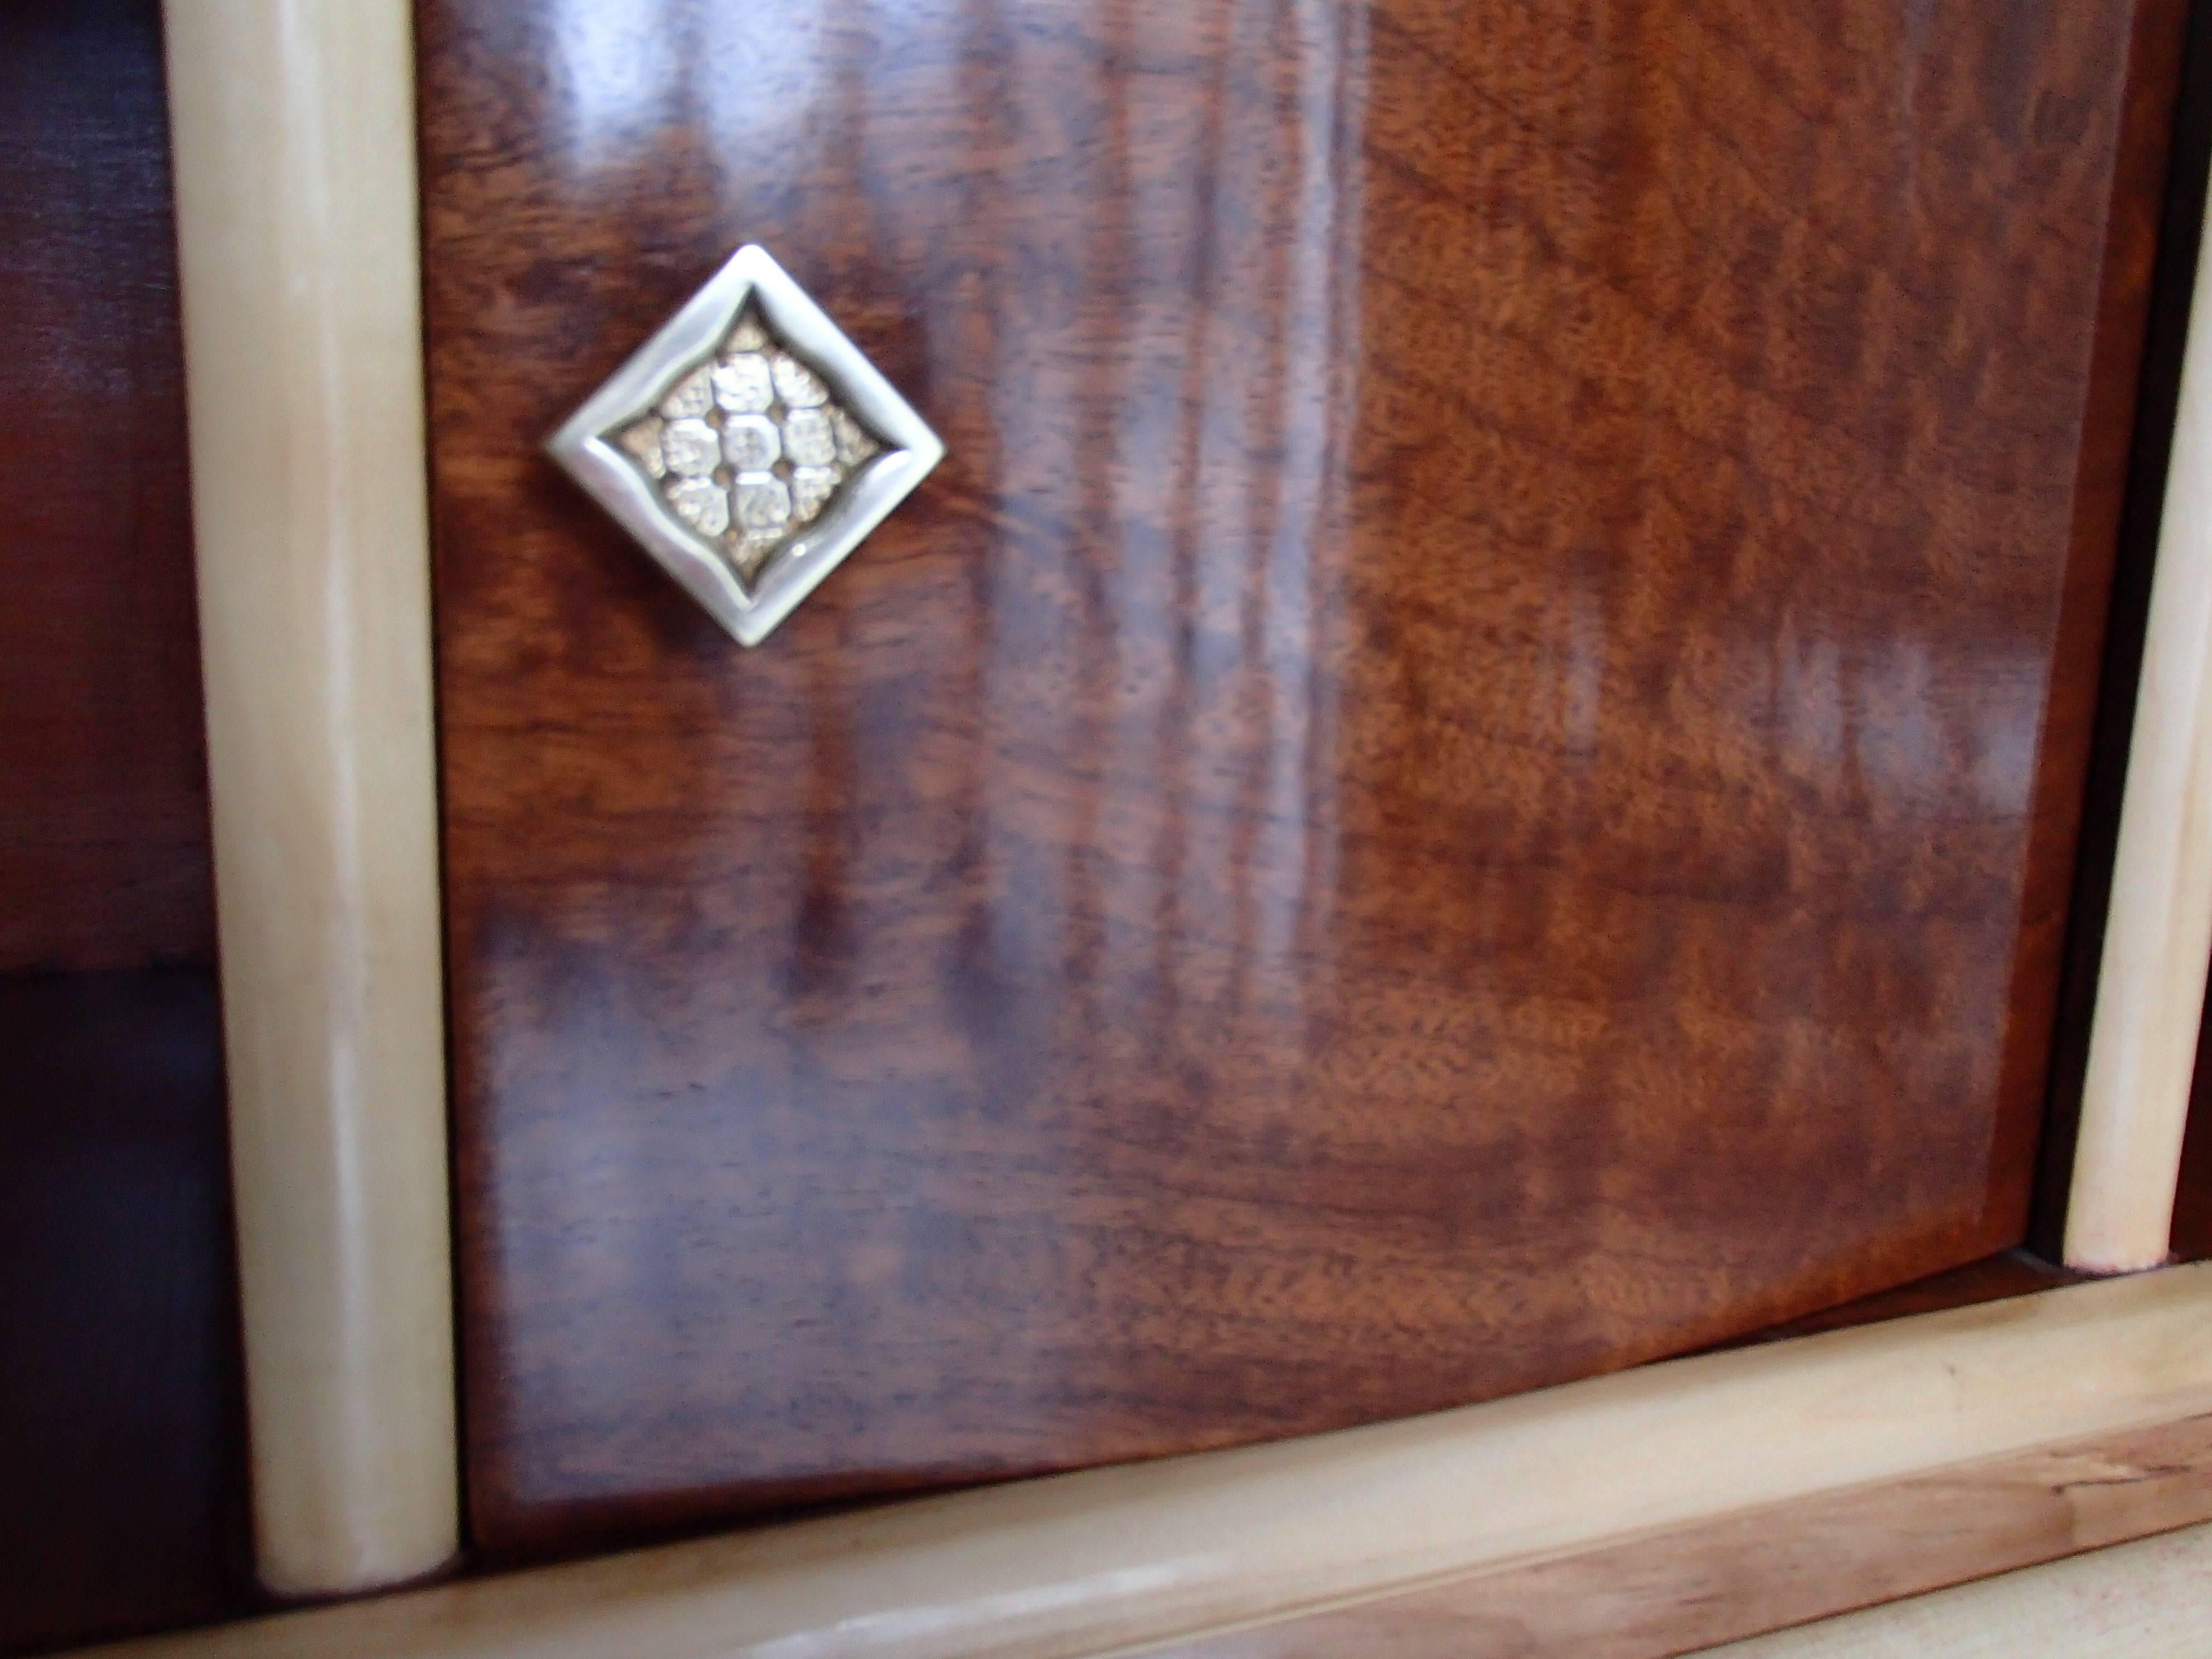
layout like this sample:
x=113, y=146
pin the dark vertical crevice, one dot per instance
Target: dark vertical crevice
x=2180, y=230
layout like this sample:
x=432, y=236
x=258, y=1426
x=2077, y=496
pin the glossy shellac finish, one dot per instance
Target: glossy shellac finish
x=1465, y=776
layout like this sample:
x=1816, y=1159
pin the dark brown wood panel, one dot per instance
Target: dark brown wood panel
x=123, y=1499
x=122, y=1425
x=1466, y=777
x=1997, y=1278
x=103, y=792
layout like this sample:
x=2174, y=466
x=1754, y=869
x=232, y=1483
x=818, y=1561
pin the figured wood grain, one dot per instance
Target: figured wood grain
x=1464, y=776
x=1741, y=1575
x=103, y=777
x=1997, y=1278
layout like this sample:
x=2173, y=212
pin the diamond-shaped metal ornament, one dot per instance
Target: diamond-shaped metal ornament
x=748, y=446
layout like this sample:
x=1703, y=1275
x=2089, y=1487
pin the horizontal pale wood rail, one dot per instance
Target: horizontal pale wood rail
x=2149, y=1600
x=1750, y=1571
x=1122, y=1557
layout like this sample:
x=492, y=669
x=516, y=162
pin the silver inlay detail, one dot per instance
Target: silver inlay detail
x=749, y=446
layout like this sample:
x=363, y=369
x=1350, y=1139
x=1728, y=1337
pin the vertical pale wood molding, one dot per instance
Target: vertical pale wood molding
x=2158, y=937
x=293, y=126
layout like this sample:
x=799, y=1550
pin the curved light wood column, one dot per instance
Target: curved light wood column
x=2158, y=935
x=1117, y=1558
x=293, y=128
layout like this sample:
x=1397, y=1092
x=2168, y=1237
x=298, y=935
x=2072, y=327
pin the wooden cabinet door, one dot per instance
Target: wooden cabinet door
x=1466, y=775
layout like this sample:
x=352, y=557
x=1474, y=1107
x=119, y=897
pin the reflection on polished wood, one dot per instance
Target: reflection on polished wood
x=1466, y=777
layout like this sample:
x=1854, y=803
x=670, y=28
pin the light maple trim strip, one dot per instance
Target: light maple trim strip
x=2149, y=1600
x=2158, y=932
x=1117, y=1558
x=293, y=133
x=1757, y=1570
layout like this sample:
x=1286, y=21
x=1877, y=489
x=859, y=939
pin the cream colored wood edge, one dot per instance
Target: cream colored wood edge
x=1111, y=1560
x=292, y=127
x=2149, y=1600
x=2158, y=935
